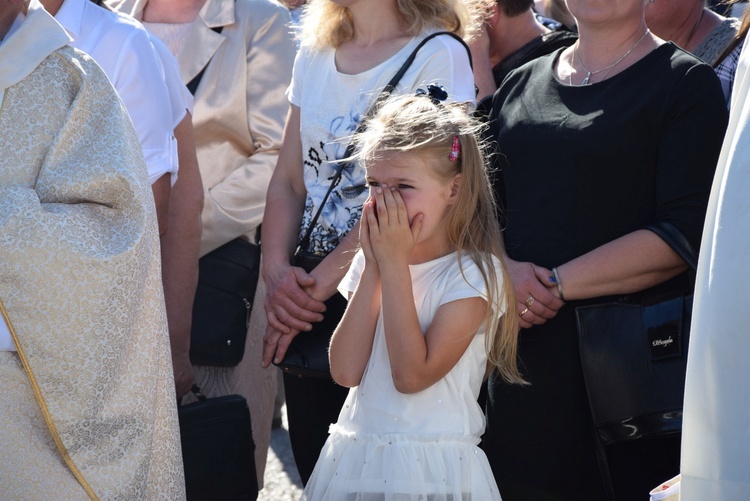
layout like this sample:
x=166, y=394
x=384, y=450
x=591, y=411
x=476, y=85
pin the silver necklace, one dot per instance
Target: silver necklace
x=611, y=66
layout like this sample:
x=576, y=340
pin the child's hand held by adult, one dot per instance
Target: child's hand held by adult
x=288, y=306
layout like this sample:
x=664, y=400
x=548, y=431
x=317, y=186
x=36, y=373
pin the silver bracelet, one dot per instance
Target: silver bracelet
x=559, y=283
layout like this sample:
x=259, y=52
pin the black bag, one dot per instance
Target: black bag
x=634, y=357
x=218, y=452
x=227, y=279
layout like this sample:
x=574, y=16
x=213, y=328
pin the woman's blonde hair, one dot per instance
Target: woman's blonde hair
x=327, y=24
x=423, y=126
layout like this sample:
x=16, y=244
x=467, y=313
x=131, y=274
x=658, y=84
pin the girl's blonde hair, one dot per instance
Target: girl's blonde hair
x=424, y=126
x=327, y=24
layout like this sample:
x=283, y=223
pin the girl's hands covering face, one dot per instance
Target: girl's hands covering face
x=392, y=236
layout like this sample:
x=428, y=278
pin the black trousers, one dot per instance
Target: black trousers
x=311, y=406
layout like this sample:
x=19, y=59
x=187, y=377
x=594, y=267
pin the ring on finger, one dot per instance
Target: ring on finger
x=525, y=311
x=530, y=300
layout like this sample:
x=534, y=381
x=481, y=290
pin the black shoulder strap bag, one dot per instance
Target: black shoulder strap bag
x=307, y=355
x=634, y=357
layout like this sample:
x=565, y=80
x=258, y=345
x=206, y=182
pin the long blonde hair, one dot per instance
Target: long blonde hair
x=423, y=126
x=327, y=24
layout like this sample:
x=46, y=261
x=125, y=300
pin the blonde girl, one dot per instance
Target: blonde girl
x=427, y=310
x=350, y=49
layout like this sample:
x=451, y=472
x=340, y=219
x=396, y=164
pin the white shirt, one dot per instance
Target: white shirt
x=180, y=98
x=123, y=49
x=333, y=103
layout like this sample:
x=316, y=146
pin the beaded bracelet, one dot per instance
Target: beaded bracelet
x=559, y=283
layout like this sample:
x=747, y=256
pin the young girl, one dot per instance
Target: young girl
x=426, y=296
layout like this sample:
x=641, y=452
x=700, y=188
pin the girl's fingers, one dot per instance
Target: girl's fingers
x=396, y=211
x=381, y=207
x=400, y=206
x=372, y=220
x=416, y=225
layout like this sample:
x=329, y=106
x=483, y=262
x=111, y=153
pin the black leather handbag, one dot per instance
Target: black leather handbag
x=218, y=452
x=634, y=357
x=227, y=279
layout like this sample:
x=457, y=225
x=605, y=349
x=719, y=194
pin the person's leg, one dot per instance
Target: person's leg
x=311, y=406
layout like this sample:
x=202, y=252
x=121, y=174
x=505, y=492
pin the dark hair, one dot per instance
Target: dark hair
x=512, y=8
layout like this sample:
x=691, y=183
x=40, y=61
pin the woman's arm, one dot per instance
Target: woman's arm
x=631, y=263
x=288, y=306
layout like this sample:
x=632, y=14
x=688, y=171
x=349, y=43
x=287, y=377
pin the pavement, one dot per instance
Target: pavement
x=281, y=480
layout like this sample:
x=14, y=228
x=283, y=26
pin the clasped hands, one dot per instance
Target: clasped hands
x=536, y=292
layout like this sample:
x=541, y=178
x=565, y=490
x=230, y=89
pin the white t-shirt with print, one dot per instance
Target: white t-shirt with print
x=333, y=103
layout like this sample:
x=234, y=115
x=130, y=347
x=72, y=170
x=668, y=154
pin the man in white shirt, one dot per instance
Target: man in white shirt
x=146, y=76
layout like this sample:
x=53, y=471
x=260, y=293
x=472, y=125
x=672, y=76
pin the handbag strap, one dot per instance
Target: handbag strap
x=384, y=94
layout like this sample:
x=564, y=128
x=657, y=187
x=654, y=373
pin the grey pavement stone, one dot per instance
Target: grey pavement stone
x=281, y=480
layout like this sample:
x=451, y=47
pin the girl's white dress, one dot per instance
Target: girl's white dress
x=389, y=446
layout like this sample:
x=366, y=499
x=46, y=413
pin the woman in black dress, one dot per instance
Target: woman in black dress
x=596, y=141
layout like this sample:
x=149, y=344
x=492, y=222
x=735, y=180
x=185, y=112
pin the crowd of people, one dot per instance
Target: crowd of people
x=465, y=174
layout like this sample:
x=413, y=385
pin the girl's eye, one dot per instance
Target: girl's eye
x=404, y=187
x=372, y=184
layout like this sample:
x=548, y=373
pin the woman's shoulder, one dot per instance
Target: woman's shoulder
x=441, y=40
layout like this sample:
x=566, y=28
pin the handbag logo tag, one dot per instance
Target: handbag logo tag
x=662, y=342
x=663, y=323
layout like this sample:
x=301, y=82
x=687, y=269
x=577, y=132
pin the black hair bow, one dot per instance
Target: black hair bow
x=436, y=92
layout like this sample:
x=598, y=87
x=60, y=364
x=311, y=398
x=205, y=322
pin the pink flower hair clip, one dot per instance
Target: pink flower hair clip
x=455, y=149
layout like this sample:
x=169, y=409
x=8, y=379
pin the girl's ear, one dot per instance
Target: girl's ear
x=455, y=185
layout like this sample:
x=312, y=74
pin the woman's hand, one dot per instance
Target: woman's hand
x=289, y=307
x=391, y=234
x=536, y=292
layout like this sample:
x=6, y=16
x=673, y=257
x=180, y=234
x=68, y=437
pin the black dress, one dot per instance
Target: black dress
x=582, y=166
